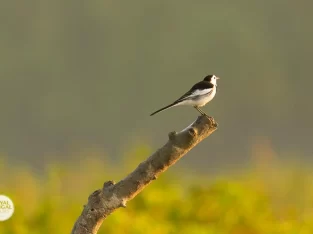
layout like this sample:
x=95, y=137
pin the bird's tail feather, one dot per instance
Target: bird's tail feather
x=164, y=108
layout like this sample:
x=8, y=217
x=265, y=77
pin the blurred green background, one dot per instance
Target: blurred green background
x=80, y=78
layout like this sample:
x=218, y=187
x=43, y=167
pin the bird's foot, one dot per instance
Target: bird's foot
x=204, y=114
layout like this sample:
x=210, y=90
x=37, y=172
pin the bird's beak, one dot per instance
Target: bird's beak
x=217, y=78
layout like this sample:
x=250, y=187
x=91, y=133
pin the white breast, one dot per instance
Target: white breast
x=207, y=98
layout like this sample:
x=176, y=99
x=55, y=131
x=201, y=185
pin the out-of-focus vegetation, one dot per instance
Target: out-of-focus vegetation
x=267, y=198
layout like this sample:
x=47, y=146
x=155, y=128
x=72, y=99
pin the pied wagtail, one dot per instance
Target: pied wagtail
x=199, y=95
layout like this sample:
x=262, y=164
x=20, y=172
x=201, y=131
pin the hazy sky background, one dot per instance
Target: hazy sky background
x=86, y=74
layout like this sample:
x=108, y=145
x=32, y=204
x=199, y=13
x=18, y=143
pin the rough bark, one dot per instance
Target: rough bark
x=104, y=201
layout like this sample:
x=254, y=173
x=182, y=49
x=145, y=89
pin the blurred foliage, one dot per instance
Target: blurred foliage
x=269, y=197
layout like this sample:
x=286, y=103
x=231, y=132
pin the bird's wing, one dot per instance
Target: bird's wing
x=201, y=88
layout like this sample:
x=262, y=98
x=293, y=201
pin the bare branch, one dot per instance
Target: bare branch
x=104, y=201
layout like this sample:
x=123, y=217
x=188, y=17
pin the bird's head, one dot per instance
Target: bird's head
x=211, y=78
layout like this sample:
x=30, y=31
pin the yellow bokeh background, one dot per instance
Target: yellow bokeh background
x=269, y=196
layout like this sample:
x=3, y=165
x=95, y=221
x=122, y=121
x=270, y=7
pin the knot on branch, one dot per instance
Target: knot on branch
x=172, y=135
x=95, y=196
x=192, y=132
x=95, y=200
x=107, y=188
x=123, y=203
x=108, y=184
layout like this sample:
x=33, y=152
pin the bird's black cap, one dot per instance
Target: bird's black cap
x=209, y=77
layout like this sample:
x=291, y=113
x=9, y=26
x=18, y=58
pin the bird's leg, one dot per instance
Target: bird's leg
x=201, y=111
x=204, y=113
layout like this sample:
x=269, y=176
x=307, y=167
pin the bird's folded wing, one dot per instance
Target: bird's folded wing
x=194, y=93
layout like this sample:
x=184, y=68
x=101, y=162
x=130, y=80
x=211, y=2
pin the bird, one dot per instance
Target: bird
x=199, y=95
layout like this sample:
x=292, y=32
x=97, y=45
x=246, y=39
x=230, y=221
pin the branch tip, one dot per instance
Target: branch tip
x=213, y=123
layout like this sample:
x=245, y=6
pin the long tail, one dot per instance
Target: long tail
x=164, y=108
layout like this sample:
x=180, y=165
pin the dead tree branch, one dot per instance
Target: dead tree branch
x=104, y=201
